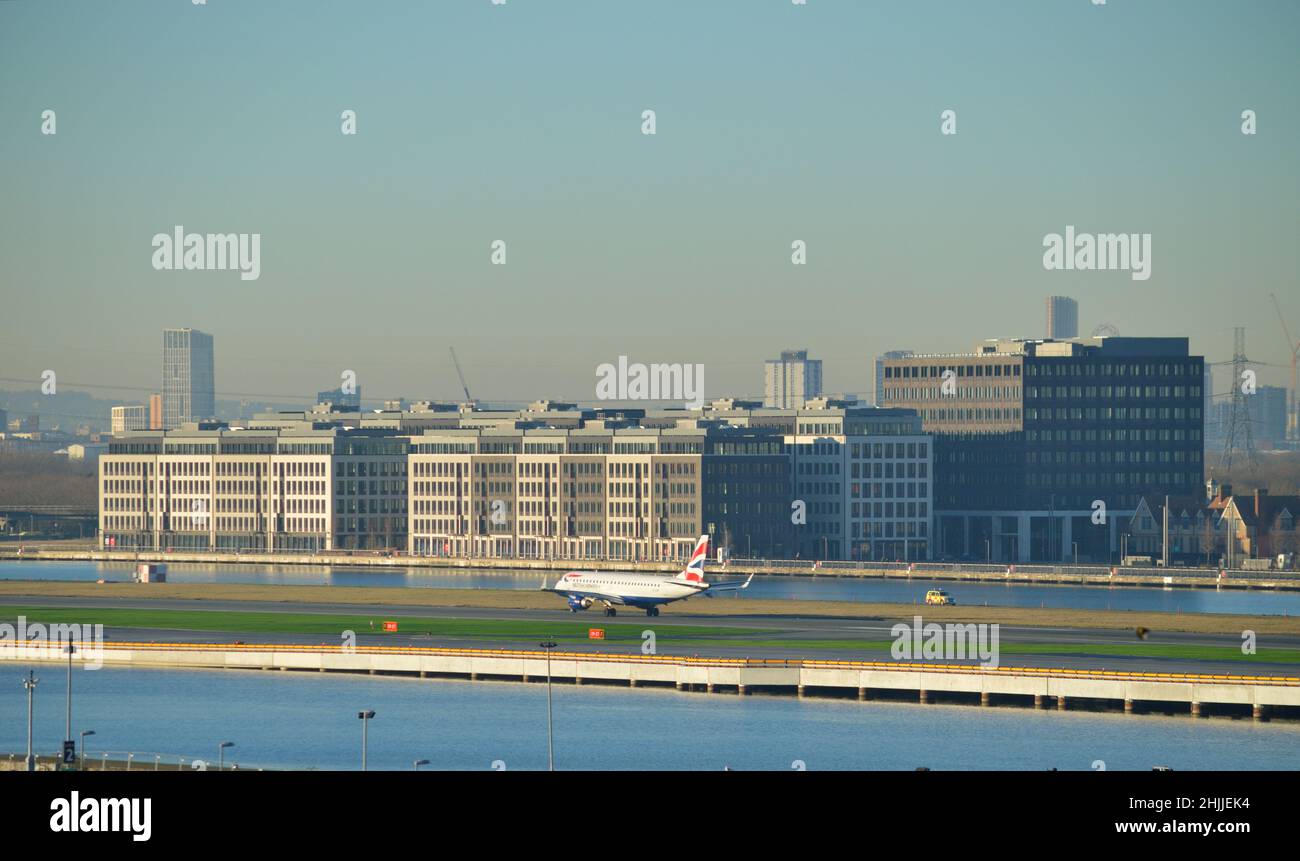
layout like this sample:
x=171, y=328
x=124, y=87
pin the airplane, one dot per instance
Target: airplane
x=642, y=591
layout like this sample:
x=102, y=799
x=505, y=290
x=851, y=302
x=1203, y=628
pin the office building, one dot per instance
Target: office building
x=549, y=481
x=340, y=398
x=188, y=387
x=880, y=373
x=208, y=486
x=1062, y=318
x=129, y=417
x=1035, y=439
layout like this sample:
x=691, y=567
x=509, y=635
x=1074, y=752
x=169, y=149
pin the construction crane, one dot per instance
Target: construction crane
x=1294, y=347
x=468, y=398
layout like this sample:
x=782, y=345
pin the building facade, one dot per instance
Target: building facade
x=829, y=481
x=129, y=417
x=206, y=486
x=340, y=398
x=879, y=375
x=1044, y=447
x=1062, y=318
x=188, y=386
x=791, y=380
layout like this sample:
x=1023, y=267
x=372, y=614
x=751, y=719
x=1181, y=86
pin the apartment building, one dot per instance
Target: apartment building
x=791, y=379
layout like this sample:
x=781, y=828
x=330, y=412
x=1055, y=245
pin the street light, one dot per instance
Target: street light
x=221, y=754
x=30, y=684
x=549, y=644
x=71, y=650
x=420, y=762
x=365, y=718
x=130, y=757
x=84, y=733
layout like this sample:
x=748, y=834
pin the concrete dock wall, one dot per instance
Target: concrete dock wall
x=1010, y=685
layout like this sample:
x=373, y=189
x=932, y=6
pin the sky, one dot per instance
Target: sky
x=522, y=122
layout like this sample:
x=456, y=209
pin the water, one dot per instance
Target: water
x=801, y=588
x=288, y=720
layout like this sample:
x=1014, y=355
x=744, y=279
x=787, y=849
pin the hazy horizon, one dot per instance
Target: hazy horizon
x=522, y=122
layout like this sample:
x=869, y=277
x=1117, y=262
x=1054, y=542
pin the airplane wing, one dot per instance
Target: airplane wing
x=599, y=596
x=584, y=593
x=729, y=586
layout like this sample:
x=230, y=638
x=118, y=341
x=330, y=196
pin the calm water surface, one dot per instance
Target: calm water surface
x=802, y=588
x=290, y=720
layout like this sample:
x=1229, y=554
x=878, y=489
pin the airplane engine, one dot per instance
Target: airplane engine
x=577, y=603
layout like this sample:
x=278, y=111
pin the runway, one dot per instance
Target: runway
x=768, y=636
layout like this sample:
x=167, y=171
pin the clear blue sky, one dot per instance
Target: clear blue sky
x=522, y=122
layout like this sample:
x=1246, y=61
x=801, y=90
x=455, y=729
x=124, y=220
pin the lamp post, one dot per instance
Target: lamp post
x=68, y=734
x=418, y=763
x=84, y=733
x=549, y=644
x=365, y=717
x=221, y=754
x=30, y=684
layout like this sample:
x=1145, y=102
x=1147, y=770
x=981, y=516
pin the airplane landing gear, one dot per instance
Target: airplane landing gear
x=652, y=611
x=610, y=611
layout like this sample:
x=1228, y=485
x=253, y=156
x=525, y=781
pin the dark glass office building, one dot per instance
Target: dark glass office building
x=1044, y=448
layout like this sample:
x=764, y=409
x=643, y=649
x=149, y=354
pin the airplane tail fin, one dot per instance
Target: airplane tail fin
x=694, y=570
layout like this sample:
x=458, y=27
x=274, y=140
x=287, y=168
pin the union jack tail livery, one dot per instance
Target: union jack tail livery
x=694, y=570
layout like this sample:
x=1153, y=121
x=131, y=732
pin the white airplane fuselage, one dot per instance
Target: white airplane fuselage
x=584, y=588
